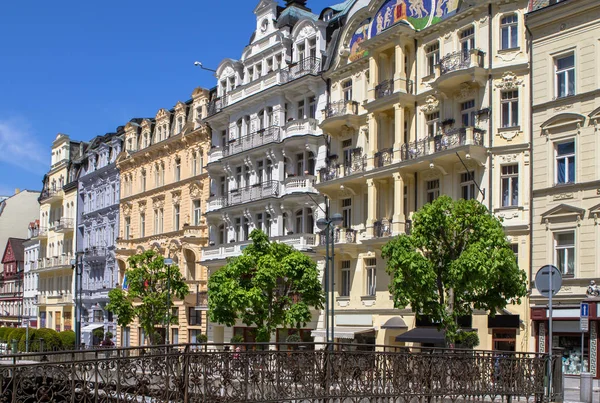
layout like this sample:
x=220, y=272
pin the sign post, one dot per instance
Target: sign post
x=584, y=326
x=548, y=282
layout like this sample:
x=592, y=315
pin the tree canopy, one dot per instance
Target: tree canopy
x=456, y=259
x=150, y=288
x=270, y=285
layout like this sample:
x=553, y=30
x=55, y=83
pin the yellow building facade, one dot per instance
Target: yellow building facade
x=58, y=207
x=415, y=113
x=163, y=188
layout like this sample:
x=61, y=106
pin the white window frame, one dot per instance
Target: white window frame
x=509, y=24
x=509, y=106
x=432, y=123
x=370, y=277
x=566, y=157
x=347, y=90
x=346, y=204
x=176, y=217
x=509, y=180
x=432, y=55
x=467, y=38
x=142, y=225
x=567, y=72
x=467, y=184
x=568, y=248
x=432, y=191
x=197, y=212
x=467, y=109
x=345, y=277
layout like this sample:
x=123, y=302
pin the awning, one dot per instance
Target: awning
x=92, y=327
x=423, y=335
x=395, y=323
x=343, y=332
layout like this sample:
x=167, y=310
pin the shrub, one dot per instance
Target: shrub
x=108, y=335
x=4, y=331
x=15, y=334
x=201, y=338
x=98, y=333
x=22, y=341
x=52, y=340
x=237, y=339
x=67, y=339
x=467, y=339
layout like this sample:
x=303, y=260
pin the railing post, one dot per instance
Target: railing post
x=558, y=393
x=96, y=376
x=186, y=373
x=118, y=374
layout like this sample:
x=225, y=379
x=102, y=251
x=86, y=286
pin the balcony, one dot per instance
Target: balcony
x=340, y=108
x=216, y=203
x=384, y=88
x=301, y=127
x=51, y=195
x=300, y=242
x=201, y=301
x=461, y=66
x=39, y=233
x=357, y=164
x=54, y=297
x=450, y=139
x=64, y=226
x=254, y=192
x=382, y=228
x=55, y=262
x=384, y=157
x=341, y=236
x=223, y=251
x=303, y=184
x=95, y=254
x=215, y=154
x=263, y=136
x=310, y=65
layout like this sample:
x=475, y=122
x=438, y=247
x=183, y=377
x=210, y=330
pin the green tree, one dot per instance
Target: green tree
x=151, y=288
x=455, y=260
x=67, y=339
x=270, y=285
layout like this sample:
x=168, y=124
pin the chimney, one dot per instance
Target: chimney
x=17, y=191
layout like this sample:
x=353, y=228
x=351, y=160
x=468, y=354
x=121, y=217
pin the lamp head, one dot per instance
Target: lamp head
x=197, y=63
x=337, y=219
x=168, y=261
x=322, y=223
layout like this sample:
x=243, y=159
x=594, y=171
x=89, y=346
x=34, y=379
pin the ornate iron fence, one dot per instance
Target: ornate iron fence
x=341, y=108
x=384, y=157
x=274, y=373
x=384, y=88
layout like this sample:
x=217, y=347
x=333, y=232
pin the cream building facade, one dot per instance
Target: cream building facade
x=424, y=103
x=164, y=186
x=566, y=179
x=58, y=207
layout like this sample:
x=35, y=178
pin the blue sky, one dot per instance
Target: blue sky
x=85, y=67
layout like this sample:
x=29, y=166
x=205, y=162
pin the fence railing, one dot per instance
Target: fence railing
x=275, y=373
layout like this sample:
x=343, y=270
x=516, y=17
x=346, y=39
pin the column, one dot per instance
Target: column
x=399, y=74
x=372, y=207
x=373, y=75
x=398, y=131
x=373, y=139
x=399, y=218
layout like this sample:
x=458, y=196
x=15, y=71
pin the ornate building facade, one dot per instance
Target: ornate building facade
x=97, y=231
x=566, y=179
x=164, y=186
x=11, y=283
x=56, y=233
x=30, y=276
x=266, y=140
x=424, y=102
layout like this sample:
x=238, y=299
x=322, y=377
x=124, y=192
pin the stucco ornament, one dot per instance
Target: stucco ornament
x=158, y=202
x=508, y=81
x=176, y=197
x=306, y=32
x=431, y=104
x=593, y=290
x=126, y=209
x=466, y=91
x=195, y=190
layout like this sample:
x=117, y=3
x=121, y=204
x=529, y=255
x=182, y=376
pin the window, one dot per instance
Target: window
x=177, y=170
x=510, y=185
x=301, y=109
x=347, y=213
x=371, y=269
x=194, y=164
x=158, y=221
x=565, y=76
x=312, y=47
x=347, y=90
x=433, y=122
x=175, y=336
x=345, y=276
x=127, y=228
x=328, y=15
x=238, y=178
x=467, y=113
x=195, y=317
x=269, y=117
x=564, y=249
x=142, y=225
x=467, y=39
x=222, y=234
x=156, y=176
x=515, y=248
x=268, y=223
x=432, y=53
x=467, y=186
x=179, y=124
x=194, y=334
x=433, y=190
x=509, y=32
x=312, y=107
x=565, y=163
x=197, y=213
x=301, y=51
x=510, y=108
x=176, y=210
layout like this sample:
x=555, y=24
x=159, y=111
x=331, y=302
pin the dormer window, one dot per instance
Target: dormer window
x=312, y=47
x=269, y=65
x=301, y=51
x=250, y=74
x=328, y=15
x=179, y=124
x=231, y=83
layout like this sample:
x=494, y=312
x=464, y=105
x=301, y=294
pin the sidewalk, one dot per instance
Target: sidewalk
x=572, y=390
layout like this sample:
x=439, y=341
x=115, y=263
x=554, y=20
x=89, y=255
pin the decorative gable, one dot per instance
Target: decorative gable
x=564, y=119
x=8, y=256
x=563, y=211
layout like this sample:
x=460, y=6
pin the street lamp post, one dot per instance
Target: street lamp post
x=77, y=265
x=168, y=263
x=329, y=225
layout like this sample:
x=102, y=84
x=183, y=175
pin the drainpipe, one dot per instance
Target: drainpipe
x=490, y=113
x=531, y=165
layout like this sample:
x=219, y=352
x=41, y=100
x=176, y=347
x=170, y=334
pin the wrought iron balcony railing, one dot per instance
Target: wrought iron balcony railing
x=309, y=65
x=384, y=88
x=261, y=137
x=382, y=228
x=357, y=164
x=341, y=108
x=462, y=59
x=246, y=194
x=340, y=235
x=384, y=157
x=447, y=140
x=95, y=253
x=64, y=225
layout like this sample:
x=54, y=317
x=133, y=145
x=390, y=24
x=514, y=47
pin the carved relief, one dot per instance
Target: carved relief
x=466, y=91
x=563, y=107
x=142, y=205
x=509, y=135
x=306, y=32
x=176, y=197
x=195, y=190
x=563, y=196
x=158, y=202
x=508, y=81
x=431, y=104
x=126, y=209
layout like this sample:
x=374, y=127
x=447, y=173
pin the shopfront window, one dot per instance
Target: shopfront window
x=573, y=361
x=505, y=339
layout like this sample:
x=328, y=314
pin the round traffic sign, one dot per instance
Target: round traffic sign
x=542, y=280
